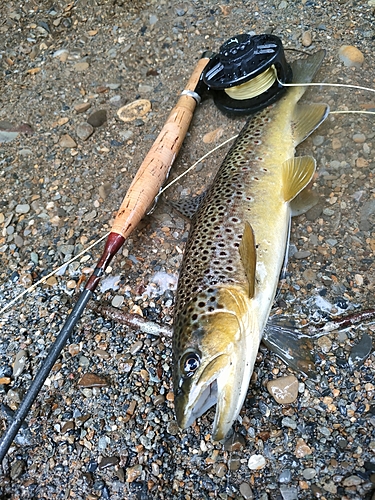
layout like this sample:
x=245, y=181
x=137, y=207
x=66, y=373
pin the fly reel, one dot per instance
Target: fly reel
x=243, y=76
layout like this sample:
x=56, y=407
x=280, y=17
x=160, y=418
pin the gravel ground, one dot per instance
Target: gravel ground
x=103, y=425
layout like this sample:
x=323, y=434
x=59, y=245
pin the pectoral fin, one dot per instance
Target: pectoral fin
x=297, y=173
x=306, y=118
x=247, y=251
x=291, y=345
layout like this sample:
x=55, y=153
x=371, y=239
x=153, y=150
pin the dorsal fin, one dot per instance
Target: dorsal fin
x=247, y=251
x=297, y=173
x=306, y=118
x=188, y=206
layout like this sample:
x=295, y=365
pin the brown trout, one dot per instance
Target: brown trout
x=234, y=255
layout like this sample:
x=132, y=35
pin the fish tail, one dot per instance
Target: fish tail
x=305, y=69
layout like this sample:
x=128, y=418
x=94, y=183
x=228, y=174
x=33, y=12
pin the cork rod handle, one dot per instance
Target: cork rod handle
x=158, y=161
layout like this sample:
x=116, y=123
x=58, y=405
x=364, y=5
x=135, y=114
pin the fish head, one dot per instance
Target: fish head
x=211, y=365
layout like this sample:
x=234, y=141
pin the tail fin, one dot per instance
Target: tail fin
x=304, y=69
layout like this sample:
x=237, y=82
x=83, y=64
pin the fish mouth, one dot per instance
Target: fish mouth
x=205, y=400
x=209, y=390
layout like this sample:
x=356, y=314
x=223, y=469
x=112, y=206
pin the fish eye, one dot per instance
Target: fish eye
x=191, y=364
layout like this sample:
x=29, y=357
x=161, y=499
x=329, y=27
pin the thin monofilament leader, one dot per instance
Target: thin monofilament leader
x=255, y=87
x=318, y=84
x=345, y=85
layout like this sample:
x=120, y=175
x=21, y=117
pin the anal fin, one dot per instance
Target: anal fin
x=247, y=251
x=296, y=175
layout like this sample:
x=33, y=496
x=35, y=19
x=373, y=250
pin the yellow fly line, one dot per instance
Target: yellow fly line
x=254, y=87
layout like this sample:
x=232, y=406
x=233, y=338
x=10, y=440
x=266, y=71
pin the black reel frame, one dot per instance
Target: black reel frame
x=241, y=59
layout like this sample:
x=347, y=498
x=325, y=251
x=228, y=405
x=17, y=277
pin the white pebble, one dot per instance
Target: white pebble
x=256, y=462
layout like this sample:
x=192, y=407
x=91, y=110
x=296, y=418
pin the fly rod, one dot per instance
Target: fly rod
x=138, y=199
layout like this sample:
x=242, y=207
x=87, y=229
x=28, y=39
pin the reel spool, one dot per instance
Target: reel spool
x=242, y=76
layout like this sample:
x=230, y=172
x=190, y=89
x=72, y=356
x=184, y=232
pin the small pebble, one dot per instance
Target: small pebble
x=284, y=389
x=172, y=427
x=97, y=118
x=220, y=469
x=256, y=462
x=324, y=343
x=137, y=346
x=51, y=281
x=235, y=442
x=22, y=209
x=18, y=240
x=359, y=138
x=330, y=487
x=155, y=469
x=17, y=469
x=306, y=38
x=318, y=140
x=81, y=66
x=246, y=491
x=84, y=130
x=19, y=363
x=7, y=136
x=107, y=462
x=132, y=473
x=83, y=361
x=213, y=136
x=68, y=426
x=352, y=481
x=289, y=422
x=67, y=142
x=361, y=351
x=153, y=19
x=118, y=300
x=102, y=354
x=309, y=473
x=62, y=54
x=351, y=56
x=302, y=254
x=234, y=463
x=82, y=107
x=159, y=400
x=289, y=492
x=285, y=476
x=103, y=442
x=116, y=101
x=92, y=380
x=302, y=449
x=74, y=349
